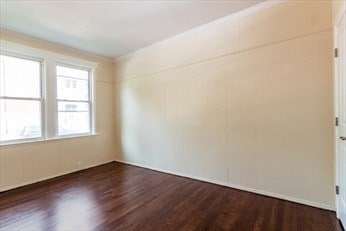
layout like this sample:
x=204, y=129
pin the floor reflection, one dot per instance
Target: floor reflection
x=76, y=210
x=72, y=209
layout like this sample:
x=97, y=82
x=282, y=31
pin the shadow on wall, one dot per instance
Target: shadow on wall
x=239, y=118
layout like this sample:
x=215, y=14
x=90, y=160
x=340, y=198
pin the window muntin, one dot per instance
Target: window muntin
x=21, y=98
x=73, y=100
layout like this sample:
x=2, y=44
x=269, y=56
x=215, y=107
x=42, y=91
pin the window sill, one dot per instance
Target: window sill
x=35, y=141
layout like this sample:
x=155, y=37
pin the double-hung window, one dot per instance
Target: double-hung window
x=74, y=100
x=21, y=98
x=43, y=95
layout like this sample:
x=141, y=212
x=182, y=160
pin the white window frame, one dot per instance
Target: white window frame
x=41, y=99
x=89, y=101
x=48, y=88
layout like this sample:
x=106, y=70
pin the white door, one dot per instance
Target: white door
x=341, y=113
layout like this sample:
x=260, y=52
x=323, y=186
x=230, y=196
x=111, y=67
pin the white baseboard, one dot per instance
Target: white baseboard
x=50, y=177
x=235, y=186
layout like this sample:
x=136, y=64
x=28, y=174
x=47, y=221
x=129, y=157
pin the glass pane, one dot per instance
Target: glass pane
x=19, y=77
x=73, y=118
x=72, y=72
x=72, y=89
x=20, y=119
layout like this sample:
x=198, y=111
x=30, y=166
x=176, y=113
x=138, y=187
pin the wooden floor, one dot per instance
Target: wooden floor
x=122, y=197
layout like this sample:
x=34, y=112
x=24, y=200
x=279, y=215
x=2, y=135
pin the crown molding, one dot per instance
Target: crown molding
x=248, y=11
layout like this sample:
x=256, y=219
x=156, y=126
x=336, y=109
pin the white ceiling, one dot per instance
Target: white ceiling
x=111, y=28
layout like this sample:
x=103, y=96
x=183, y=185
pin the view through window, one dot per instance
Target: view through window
x=21, y=98
x=73, y=96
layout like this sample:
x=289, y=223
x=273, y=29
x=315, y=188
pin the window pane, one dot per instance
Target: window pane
x=73, y=118
x=19, y=77
x=72, y=89
x=72, y=72
x=20, y=119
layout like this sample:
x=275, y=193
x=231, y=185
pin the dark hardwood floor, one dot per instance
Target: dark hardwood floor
x=122, y=197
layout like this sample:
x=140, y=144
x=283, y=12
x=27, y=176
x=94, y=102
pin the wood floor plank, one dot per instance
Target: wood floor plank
x=116, y=196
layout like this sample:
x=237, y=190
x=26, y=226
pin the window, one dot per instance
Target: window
x=43, y=95
x=74, y=101
x=21, y=98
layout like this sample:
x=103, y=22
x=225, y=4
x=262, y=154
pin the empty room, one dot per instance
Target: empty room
x=172, y=115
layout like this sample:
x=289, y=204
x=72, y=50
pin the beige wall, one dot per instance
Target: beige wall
x=27, y=163
x=246, y=102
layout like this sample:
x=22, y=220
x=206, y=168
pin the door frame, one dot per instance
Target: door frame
x=336, y=110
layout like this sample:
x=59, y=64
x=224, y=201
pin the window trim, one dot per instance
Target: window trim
x=41, y=98
x=49, y=60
